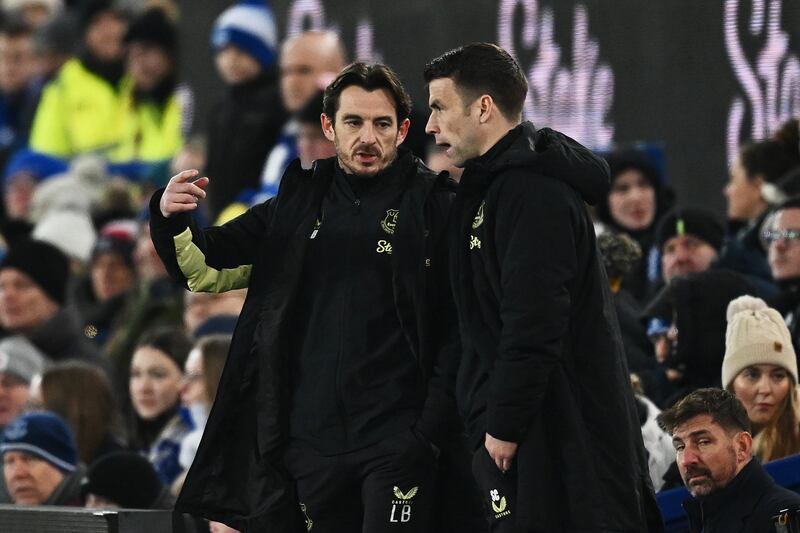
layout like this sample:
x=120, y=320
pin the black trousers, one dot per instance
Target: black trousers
x=387, y=487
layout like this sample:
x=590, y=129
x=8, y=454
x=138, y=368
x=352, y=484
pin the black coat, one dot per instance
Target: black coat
x=242, y=129
x=238, y=476
x=543, y=362
x=746, y=505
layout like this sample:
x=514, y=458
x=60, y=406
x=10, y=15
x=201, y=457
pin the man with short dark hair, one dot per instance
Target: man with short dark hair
x=543, y=382
x=339, y=371
x=731, y=492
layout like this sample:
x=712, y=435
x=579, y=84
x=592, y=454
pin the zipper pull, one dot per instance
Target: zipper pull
x=357, y=205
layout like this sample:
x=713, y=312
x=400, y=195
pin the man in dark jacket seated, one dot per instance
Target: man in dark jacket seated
x=731, y=492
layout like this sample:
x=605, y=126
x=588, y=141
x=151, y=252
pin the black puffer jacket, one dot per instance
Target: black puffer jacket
x=543, y=362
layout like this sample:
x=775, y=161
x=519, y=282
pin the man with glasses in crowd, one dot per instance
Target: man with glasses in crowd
x=783, y=238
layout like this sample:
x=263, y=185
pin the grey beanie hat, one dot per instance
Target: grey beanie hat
x=21, y=358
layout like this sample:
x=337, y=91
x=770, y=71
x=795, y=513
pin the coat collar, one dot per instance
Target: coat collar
x=742, y=495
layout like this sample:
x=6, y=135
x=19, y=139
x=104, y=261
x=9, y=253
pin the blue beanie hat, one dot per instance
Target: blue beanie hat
x=249, y=26
x=44, y=435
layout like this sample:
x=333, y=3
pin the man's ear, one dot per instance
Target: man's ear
x=744, y=446
x=327, y=127
x=486, y=108
x=402, y=131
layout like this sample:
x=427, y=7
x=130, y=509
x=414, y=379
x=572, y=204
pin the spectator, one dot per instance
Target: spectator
x=52, y=45
x=72, y=232
x=730, y=491
x=203, y=371
x=308, y=62
x=760, y=368
x=155, y=301
x=438, y=161
x=311, y=141
x=201, y=306
x=695, y=305
x=23, y=173
x=33, y=286
x=620, y=253
x=124, y=480
x=82, y=395
x=157, y=427
x=80, y=107
x=157, y=111
x=688, y=240
x=783, y=238
x=78, y=187
x=102, y=294
x=34, y=12
x=16, y=74
x=245, y=40
x=660, y=453
x=20, y=362
x=40, y=461
x=751, y=193
x=635, y=202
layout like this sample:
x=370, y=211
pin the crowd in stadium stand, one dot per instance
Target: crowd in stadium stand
x=108, y=368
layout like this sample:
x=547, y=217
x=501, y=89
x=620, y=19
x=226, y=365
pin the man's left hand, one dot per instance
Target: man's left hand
x=501, y=451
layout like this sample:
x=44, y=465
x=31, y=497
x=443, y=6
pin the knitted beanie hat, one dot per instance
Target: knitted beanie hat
x=697, y=222
x=44, y=435
x=140, y=488
x=756, y=335
x=45, y=264
x=154, y=27
x=21, y=358
x=249, y=26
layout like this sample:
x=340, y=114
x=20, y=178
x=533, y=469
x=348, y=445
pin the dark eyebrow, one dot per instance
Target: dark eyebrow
x=693, y=434
x=352, y=115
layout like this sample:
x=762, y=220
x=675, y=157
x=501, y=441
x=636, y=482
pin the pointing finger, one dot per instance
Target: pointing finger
x=185, y=176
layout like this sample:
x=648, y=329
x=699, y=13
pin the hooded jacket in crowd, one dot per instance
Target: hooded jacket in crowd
x=543, y=362
x=238, y=475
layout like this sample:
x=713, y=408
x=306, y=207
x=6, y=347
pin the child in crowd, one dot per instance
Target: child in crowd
x=245, y=40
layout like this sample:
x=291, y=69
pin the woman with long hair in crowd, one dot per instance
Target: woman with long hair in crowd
x=203, y=371
x=760, y=368
x=157, y=425
x=82, y=395
x=754, y=187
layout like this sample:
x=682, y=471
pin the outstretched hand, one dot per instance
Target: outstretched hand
x=501, y=451
x=182, y=194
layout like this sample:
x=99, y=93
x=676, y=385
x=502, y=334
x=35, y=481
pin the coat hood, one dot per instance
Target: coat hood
x=551, y=154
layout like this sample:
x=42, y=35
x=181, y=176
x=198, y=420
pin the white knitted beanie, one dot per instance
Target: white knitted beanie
x=756, y=335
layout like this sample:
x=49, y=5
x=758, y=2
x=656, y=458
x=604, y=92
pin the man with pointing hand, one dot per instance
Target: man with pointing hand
x=336, y=398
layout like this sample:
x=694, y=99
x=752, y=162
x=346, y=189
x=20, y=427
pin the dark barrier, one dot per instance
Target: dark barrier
x=786, y=472
x=21, y=519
